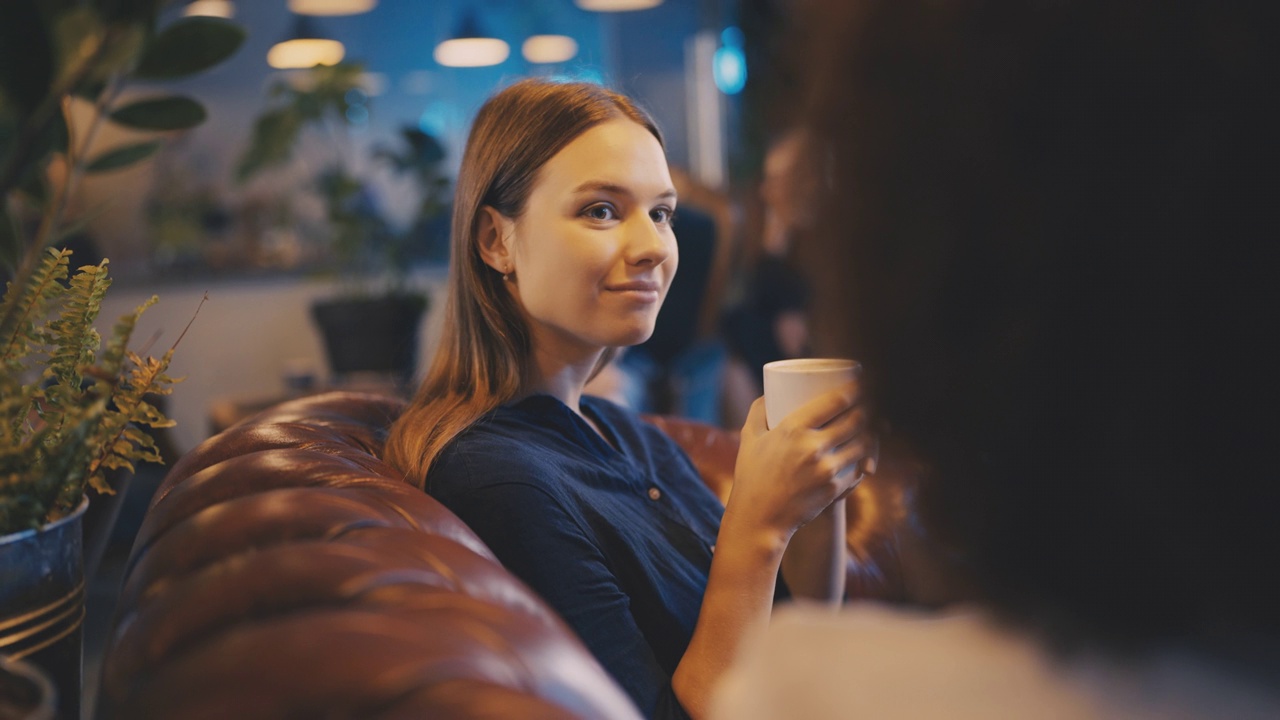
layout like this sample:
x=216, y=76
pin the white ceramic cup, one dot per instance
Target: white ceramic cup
x=788, y=384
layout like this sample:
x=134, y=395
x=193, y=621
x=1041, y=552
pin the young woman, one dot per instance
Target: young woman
x=563, y=249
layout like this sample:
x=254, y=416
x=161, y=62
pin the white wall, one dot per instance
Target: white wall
x=243, y=341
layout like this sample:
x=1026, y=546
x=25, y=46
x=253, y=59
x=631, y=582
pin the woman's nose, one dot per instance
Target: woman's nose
x=646, y=243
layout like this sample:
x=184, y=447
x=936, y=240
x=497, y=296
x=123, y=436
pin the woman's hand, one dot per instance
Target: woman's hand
x=785, y=476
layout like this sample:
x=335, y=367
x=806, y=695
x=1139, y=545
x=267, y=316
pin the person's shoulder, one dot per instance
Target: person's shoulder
x=810, y=662
x=495, y=430
x=490, y=452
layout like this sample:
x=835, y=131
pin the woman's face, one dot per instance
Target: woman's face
x=593, y=253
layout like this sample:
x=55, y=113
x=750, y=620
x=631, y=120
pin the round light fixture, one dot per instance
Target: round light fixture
x=471, y=52
x=331, y=7
x=305, y=53
x=470, y=46
x=305, y=47
x=549, y=48
x=210, y=8
x=616, y=5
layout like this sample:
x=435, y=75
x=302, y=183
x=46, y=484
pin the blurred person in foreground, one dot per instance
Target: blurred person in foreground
x=1048, y=232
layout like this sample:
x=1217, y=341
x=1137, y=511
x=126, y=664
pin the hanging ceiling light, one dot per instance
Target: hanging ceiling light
x=549, y=48
x=331, y=7
x=306, y=47
x=210, y=8
x=616, y=5
x=471, y=48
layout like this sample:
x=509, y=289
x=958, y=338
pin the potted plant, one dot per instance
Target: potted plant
x=372, y=324
x=72, y=407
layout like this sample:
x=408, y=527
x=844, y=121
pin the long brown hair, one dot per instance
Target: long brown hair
x=485, y=350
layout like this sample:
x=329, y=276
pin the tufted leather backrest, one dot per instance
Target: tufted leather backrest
x=284, y=570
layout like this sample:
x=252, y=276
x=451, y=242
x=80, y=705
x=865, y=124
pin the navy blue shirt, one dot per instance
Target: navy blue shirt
x=618, y=541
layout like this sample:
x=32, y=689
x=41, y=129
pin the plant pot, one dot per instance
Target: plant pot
x=371, y=335
x=25, y=692
x=42, y=603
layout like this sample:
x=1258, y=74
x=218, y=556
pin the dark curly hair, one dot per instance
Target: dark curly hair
x=1049, y=233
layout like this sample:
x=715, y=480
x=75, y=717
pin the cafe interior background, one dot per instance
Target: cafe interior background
x=187, y=223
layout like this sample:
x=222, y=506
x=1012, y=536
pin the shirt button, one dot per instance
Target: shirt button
x=654, y=493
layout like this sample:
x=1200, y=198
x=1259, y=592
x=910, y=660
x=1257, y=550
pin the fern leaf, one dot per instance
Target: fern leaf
x=49, y=477
x=136, y=435
x=75, y=341
x=24, y=308
x=149, y=415
x=18, y=403
x=117, y=351
x=117, y=434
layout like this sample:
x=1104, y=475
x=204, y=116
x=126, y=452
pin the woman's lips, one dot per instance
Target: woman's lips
x=643, y=290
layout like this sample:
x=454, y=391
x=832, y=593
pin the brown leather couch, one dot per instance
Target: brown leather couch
x=284, y=570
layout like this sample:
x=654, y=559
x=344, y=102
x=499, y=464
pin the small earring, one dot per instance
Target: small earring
x=506, y=275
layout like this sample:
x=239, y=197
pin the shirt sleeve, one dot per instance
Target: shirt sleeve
x=544, y=545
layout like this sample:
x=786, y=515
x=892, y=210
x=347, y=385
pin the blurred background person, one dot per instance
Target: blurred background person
x=770, y=322
x=1047, y=230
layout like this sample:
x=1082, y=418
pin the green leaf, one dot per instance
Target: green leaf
x=78, y=35
x=122, y=157
x=74, y=340
x=24, y=305
x=51, y=137
x=123, y=45
x=189, y=46
x=169, y=113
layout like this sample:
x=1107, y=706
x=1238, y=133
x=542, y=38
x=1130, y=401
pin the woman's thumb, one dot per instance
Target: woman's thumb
x=756, y=424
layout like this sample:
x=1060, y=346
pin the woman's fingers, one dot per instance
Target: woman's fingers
x=849, y=457
x=868, y=464
x=844, y=428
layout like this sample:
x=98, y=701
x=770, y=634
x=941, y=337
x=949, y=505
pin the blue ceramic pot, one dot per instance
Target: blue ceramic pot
x=42, y=603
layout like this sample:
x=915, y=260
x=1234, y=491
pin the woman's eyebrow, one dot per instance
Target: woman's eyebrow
x=616, y=189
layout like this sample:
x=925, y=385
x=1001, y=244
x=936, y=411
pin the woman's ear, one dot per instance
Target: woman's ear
x=493, y=236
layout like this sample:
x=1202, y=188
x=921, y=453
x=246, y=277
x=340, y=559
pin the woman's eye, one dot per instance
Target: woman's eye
x=662, y=216
x=601, y=212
